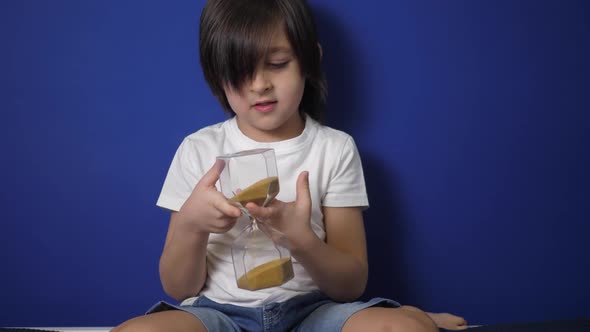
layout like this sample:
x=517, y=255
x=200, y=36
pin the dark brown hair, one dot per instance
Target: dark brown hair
x=235, y=35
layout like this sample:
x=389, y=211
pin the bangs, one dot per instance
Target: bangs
x=235, y=36
x=239, y=42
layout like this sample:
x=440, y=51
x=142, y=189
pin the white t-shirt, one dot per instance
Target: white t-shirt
x=335, y=179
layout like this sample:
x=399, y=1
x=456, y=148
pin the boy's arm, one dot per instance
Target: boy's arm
x=183, y=264
x=339, y=266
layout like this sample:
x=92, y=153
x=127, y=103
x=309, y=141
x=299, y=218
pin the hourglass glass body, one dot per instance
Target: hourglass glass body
x=252, y=176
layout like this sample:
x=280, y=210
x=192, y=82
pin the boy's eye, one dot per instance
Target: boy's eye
x=278, y=65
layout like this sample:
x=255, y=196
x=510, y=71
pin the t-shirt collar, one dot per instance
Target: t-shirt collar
x=281, y=147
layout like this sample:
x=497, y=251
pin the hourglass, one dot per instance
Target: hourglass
x=251, y=176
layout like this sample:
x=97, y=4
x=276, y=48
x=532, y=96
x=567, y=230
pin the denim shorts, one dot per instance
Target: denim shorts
x=309, y=312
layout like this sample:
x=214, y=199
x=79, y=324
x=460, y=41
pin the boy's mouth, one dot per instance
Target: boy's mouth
x=265, y=106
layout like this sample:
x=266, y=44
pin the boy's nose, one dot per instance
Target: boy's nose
x=260, y=82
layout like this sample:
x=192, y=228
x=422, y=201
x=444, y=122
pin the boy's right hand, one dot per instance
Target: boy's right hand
x=207, y=210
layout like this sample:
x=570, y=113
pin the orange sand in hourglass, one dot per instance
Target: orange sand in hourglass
x=258, y=191
x=275, y=272
x=271, y=274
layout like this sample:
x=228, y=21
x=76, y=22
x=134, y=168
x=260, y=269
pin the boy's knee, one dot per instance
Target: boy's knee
x=391, y=320
x=134, y=326
x=408, y=324
x=416, y=320
x=421, y=324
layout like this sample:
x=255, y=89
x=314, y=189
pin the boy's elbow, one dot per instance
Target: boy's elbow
x=356, y=288
x=178, y=289
x=350, y=295
x=177, y=294
x=359, y=290
x=361, y=284
x=363, y=279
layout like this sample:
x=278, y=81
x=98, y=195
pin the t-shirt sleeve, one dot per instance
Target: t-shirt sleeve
x=346, y=187
x=183, y=175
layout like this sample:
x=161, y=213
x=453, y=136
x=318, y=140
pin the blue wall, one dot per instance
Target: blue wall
x=472, y=118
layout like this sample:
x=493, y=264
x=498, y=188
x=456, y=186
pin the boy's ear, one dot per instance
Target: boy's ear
x=321, y=51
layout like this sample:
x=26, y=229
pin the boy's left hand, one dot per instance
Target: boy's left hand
x=288, y=222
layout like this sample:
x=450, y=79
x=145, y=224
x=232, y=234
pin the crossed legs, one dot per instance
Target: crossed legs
x=403, y=319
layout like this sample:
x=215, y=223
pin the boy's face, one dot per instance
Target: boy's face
x=267, y=106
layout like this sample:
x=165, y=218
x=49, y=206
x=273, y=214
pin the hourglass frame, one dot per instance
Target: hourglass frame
x=252, y=176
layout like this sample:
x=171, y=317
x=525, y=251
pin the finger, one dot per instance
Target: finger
x=227, y=225
x=209, y=179
x=223, y=226
x=303, y=196
x=225, y=207
x=259, y=212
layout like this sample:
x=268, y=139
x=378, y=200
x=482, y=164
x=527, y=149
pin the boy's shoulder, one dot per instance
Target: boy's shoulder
x=210, y=132
x=332, y=134
x=205, y=141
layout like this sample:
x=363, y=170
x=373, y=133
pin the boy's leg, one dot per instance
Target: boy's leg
x=163, y=321
x=402, y=319
x=448, y=321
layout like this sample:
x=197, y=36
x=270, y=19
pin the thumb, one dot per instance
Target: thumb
x=303, y=195
x=209, y=179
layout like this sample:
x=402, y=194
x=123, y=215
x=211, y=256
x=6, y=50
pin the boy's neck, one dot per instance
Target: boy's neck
x=292, y=128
